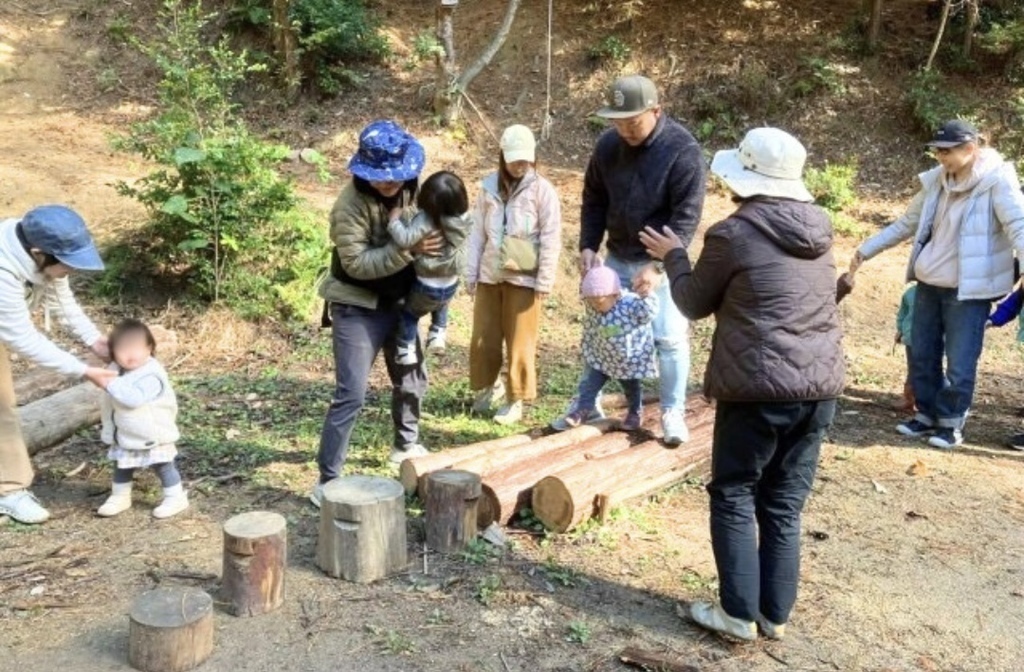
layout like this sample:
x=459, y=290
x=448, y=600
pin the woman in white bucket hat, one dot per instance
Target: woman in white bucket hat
x=768, y=276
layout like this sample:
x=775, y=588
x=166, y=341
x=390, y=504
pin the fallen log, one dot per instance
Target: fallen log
x=38, y=383
x=413, y=469
x=653, y=660
x=507, y=491
x=565, y=499
x=56, y=418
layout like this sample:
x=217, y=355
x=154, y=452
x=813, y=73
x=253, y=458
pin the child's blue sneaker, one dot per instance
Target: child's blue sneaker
x=946, y=438
x=915, y=428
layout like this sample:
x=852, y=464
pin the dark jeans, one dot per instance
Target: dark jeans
x=358, y=335
x=165, y=471
x=593, y=381
x=763, y=462
x=945, y=326
x=423, y=300
x=439, y=318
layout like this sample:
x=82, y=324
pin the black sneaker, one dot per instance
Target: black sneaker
x=1016, y=442
x=946, y=438
x=915, y=428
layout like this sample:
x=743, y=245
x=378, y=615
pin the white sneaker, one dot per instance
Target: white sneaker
x=405, y=355
x=175, y=501
x=562, y=423
x=673, y=425
x=713, y=617
x=510, y=413
x=407, y=451
x=23, y=506
x=119, y=501
x=484, y=399
x=437, y=341
x=317, y=495
x=769, y=629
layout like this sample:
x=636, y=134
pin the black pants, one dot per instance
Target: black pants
x=763, y=463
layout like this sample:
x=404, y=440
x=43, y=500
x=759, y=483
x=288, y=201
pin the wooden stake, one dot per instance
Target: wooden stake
x=255, y=559
x=170, y=630
x=451, y=509
x=362, y=528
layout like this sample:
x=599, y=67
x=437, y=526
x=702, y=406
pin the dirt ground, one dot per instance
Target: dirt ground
x=904, y=569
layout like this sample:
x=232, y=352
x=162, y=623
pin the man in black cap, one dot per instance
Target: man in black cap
x=646, y=171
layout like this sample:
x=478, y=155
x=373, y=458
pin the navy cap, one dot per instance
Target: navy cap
x=60, y=231
x=953, y=134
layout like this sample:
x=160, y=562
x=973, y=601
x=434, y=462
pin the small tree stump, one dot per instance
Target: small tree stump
x=170, y=630
x=451, y=509
x=362, y=528
x=255, y=557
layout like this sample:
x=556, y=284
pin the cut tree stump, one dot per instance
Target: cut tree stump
x=507, y=491
x=413, y=469
x=255, y=558
x=362, y=528
x=170, y=630
x=56, y=418
x=451, y=509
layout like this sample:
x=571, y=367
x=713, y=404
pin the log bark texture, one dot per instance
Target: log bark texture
x=255, y=560
x=56, y=418
x=451, y=509
x=170, y=630
x=411, y=470
x=362, y=529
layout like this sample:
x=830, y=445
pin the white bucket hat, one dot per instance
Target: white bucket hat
x=769, y=162
x=518, y=144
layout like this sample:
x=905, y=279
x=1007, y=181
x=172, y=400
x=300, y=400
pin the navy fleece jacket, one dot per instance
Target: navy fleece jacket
x=660, y=183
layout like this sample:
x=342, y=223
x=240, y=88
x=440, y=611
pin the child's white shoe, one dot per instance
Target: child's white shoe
x=713, y=617
x=119, y=501
x=175, y=501
x=405, y=355
x=436, y=341
x=510, y=413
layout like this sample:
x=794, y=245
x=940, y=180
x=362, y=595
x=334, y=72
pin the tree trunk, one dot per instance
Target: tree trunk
x=285, y=45
x=564, y=500
x=255, y=559
x=362, y=529
x=507, y=492
x=874, y=8
x=451, y=509
x=56, y=418
x=170, y=630
x=444, y=59
x=470, y=73
x=971, y=8
x=415, y=468
x=938, y=36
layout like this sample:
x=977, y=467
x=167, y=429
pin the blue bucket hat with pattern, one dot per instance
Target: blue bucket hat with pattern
x=387, y=153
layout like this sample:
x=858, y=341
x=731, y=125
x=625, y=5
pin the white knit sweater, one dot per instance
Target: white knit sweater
x=22, y=289
x=140, y=409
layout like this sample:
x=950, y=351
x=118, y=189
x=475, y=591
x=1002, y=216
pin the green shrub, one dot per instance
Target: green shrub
x=222, y=219
x=833, y=188
x=932, y=101
x=610, y=50
x=333, y=34
x=817, y=75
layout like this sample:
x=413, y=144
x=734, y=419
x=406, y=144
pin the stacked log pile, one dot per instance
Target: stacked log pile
x=570, y=477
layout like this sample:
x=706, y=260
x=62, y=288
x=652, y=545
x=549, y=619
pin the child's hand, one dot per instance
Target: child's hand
x=855, y=263
x=395, y=214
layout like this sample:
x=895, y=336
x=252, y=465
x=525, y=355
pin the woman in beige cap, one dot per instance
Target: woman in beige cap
x=513, y=259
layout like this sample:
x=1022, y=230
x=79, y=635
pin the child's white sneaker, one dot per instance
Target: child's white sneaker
x=484, y=399
x=769, y=629
x=510, y=413
x=437, y=341
x=119, y=501
x=405, y=355
x=175, y=501
x=713, y=617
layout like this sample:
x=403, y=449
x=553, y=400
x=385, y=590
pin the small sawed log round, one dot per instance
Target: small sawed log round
x=451, y=509
x=170, y=630
x=255, y=561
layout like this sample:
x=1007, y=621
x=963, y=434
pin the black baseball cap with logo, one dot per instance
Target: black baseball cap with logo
x=953, y=134
x=630, y=96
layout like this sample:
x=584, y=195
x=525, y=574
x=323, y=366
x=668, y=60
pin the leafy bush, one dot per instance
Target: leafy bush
x=833, y=189
x=817, y=75
x=610, y=50
x=932, y=101
x=334, y=34
x=222, y=219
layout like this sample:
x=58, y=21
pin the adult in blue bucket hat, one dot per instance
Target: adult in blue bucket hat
x=37, y=254
x=369, y=276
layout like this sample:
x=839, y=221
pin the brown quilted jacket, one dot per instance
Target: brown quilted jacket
x=768, y=276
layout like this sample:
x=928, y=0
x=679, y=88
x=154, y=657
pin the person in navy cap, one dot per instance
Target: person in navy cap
x=37, y=254
x=370, y=275
x=967, y=223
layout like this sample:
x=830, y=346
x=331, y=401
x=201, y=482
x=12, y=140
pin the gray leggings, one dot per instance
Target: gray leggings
x=165, y=471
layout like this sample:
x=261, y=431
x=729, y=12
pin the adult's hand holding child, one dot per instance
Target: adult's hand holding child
x=430, y=245
x=99, y=377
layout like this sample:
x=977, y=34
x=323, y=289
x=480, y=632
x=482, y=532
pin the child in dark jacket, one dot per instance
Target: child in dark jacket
x=904, y=325
x=443, y=206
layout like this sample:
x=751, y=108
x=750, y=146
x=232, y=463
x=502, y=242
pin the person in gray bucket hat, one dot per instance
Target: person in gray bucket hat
x=37, y=254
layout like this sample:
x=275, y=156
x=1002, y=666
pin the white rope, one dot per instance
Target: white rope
x=545, y=129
